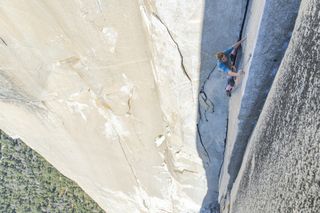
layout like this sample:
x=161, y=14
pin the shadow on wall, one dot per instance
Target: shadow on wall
x=273, y=36
x=221, y=26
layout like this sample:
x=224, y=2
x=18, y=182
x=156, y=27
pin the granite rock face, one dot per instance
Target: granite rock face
x=280, y=171
x=124, y=97
x=83, y=83
x=268, y=29
x=107, y=92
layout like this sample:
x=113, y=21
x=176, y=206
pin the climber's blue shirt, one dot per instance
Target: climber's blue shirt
x=225, y=66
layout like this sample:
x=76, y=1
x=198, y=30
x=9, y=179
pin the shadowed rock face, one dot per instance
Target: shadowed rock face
x=269, y=25
x=281, y=169
x=219, y=31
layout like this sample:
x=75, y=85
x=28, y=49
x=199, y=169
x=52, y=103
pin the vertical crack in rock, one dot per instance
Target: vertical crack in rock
x=199, y=112
x=3, y=41
x=244, y=20
x=176, y=43
x=209, y=104
x=127, y=159
x=202, y=144
x=205, y=98
x=130, y=165
x=119, y=141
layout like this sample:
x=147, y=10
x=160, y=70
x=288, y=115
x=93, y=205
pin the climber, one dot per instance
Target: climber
x=226, y=59
x=226, y=63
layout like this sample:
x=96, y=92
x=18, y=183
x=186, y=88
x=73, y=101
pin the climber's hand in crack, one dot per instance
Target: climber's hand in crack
x=236, y=74
x=231, y=73
x=237, y=44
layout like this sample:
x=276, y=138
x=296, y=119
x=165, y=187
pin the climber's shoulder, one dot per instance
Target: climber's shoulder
x=223, y=67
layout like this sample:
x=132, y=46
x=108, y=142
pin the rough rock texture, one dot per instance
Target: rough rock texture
x=281, y=167
x=81, y=83
x=269, y=25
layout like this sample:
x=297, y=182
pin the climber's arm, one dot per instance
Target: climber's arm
x=230, y=73
x=237, y=44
